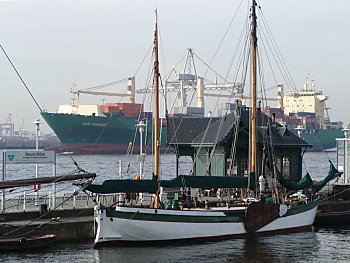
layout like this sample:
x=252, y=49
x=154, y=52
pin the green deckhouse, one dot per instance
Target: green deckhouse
x=211, y=143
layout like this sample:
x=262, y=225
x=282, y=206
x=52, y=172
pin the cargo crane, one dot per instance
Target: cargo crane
x=187, y=82
x=7, y=128
x=130, y=92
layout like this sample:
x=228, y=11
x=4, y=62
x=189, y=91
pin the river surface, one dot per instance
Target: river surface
x=321, y=245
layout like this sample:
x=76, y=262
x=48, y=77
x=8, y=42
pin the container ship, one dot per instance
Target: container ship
x=305, y=112
x=106, y=128
x=112, y=127
x=91, y=130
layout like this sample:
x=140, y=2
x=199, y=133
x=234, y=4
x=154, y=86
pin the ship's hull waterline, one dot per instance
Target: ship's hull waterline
x=322, y=139
x=126, y=225
x=96, y=134
x=104, y=135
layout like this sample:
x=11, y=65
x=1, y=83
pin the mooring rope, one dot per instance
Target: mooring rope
x=76, y=192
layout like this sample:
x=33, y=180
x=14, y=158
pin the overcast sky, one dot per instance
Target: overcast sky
x=54, y=44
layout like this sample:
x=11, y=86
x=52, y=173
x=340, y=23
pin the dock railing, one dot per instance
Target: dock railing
x=30, y=202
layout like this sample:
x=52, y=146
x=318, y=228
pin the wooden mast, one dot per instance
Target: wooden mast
x=156, y=110
x=253, y=132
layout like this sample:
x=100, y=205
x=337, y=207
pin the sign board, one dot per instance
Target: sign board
x=17, y=157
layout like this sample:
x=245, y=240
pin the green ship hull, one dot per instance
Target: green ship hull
x=97, y=134
x=322, y=139
x=116, y=134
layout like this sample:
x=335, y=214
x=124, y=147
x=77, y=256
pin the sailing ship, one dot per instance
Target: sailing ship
x=228, y=154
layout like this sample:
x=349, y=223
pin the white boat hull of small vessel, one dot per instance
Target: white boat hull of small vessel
x=147, y=225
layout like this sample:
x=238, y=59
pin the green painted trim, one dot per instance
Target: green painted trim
x=231, y=218
x=302, y=208
x=176, y=218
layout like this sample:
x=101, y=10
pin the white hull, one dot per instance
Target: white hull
x=116, y=229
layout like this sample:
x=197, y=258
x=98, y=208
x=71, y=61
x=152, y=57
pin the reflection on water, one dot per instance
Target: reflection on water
x=325, y=245
x=334, y=242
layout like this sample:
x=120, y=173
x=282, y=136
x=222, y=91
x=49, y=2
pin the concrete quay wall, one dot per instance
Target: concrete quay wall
x=65, y=224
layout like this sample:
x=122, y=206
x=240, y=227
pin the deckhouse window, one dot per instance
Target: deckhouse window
x=286, y=167
x=283, y=165
x=244, y=167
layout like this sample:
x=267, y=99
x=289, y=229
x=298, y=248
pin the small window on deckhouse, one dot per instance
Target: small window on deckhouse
x=283, y=165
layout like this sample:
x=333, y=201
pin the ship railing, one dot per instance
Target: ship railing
x=30, y=202
x=123, y=199
x=24, y=202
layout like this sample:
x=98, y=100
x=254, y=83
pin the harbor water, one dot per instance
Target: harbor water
x=321, y=245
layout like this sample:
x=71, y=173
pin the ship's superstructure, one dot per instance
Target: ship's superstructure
x=82, y=127
x=110, y=127
x=309, y=107
x=305, y=112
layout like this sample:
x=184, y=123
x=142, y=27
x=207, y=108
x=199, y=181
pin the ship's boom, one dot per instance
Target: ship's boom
x=98, y=93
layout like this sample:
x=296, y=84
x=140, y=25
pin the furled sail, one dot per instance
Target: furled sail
x=306, y=181
x=207, y=182
x=332, y=174
x=151, y=186
x=124, y=186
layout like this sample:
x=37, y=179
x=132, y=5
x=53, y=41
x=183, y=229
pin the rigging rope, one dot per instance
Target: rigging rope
x=20, y=77
x=43, y=215
x=224, y=36
x=106, y=85
x=281, y=64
